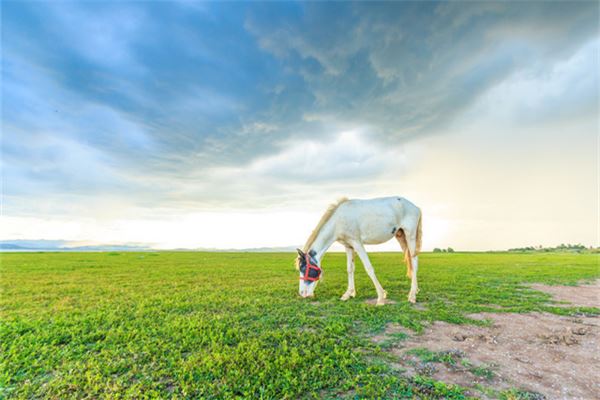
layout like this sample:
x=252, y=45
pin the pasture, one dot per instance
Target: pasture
x=231, y=325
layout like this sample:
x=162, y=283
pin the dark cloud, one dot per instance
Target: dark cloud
x=407, y=68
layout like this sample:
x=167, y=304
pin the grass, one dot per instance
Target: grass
x=445, y=357
x=452, y=358
x=392, y=340
x=483, y=371
x=230, y=325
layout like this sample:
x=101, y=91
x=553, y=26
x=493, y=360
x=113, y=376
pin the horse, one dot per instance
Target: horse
x=354, y=223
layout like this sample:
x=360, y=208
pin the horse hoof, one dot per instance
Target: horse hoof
x=412, y=300
x=380, y=302
x=347, y=296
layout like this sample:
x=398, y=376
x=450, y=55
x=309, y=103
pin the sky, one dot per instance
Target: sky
x=234, y=125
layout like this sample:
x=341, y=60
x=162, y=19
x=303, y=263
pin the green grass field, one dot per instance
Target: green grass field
x=230, y=325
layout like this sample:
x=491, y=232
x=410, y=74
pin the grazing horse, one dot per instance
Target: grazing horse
x=355, y=223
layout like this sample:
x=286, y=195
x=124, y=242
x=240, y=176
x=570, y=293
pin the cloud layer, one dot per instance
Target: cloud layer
x=180, y=105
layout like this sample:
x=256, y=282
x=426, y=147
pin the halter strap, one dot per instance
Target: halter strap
x=310, y=266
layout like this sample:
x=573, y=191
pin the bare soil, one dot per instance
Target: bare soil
x=550, y=356
x=582, y=295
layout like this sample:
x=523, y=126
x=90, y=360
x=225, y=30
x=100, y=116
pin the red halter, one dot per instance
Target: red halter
x=310, y=266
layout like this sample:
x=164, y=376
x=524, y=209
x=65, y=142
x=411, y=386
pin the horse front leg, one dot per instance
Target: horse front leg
x=362, y=253
x=351, y=292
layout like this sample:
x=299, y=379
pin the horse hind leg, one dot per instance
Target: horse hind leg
x=402, y=240
x=408, y=243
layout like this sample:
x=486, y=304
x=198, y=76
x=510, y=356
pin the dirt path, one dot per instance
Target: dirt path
x=547, y=355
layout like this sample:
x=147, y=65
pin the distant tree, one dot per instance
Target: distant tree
x=437, y=250
x=450, y=250
x=573, y=248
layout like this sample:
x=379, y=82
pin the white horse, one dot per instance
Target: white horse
x=355, y=223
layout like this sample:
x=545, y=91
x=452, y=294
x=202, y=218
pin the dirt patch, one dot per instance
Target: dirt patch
x=582, y=295
x=547, y=355
x=556, y=356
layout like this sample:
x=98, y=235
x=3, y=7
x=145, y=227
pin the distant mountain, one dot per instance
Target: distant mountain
x=63, y=245
x=9, y=246
x=20, y=244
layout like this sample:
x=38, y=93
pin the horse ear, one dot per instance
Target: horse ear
x=300, y=253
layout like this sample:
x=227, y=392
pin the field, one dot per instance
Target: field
x=230, y=325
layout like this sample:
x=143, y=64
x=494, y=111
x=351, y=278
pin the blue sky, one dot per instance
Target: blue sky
x=121, y=118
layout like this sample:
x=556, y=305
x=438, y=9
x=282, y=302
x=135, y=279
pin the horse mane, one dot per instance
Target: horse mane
x=328, y=213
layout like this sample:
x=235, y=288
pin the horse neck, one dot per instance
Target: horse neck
x=324, y=240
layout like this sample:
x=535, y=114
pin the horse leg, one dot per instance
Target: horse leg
x=414, y=286
x=362, y=253
x=408, y=243
x=351, y=292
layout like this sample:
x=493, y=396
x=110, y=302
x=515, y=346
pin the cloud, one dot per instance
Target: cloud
x=218, y=104
x=381, y=65
x=348, y=157
x=565, y=91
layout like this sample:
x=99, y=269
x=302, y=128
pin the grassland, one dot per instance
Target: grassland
x=230, y=325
